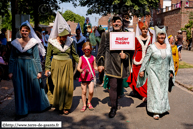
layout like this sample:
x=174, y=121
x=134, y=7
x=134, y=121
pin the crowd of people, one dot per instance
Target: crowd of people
x=149, y=70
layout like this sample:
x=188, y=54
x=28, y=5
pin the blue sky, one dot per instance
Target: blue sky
x=81, y=11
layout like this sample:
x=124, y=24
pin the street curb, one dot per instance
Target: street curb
x=183, y=85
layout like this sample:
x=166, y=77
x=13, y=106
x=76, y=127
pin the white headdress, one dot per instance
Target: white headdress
x=157, y=31
x=33, y=35
x=59, y=26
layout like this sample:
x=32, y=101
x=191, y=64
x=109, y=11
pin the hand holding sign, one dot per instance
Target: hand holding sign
x=122, y=41
x=122, y=55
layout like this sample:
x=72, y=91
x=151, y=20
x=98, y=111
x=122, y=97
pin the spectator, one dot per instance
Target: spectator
x=179, y=43
x=3, y=41
x=45, y=42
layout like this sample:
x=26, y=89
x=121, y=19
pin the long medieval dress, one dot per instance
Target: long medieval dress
x=139, y=54
x=25, y=64
x=157, y=66
x=175, y=58
x=61, y=82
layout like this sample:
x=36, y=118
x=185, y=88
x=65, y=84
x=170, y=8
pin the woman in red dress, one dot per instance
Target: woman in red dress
x=142, y=41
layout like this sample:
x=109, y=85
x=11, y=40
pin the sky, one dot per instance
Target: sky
x=81, y=11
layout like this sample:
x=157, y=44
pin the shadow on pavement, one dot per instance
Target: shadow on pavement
x=75, y=103
x=187, y=126
x=125, y=102
x=143, y=104
x=97, y=122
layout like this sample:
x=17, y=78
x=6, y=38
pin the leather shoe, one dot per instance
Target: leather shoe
x=112, y=113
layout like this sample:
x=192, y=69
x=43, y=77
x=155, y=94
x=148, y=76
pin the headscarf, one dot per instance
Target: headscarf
x=86, y=19
x=82, y=39
x=33, y=35
x=78, y=27
x=169, y=37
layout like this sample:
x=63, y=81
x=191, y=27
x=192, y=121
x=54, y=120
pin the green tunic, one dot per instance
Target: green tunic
x=60, y=83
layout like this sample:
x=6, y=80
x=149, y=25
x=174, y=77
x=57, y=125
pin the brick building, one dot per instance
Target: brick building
x=174, y=16
x=72, y=25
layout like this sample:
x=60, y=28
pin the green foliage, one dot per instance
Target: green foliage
x=188, y=28
x=4, y=7
x=136, y=7
x=7, y=21
x=42, y=9
x=71, y=16
x=191, y=15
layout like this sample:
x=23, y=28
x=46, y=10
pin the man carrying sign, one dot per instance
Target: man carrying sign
x=115, y=63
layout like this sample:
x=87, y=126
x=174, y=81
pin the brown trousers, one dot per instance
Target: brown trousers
x=115, y=88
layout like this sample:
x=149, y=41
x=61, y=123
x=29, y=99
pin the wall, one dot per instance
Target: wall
x=171, y=19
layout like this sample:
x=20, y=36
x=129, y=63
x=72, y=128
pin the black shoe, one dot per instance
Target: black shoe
x=112, y=113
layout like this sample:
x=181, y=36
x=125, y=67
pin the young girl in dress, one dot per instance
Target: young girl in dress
x=87, y=74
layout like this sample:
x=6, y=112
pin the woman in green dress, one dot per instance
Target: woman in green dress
x=25, y=71
x=61, y=83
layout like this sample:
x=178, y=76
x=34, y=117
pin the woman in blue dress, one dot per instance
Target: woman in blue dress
x=79, y=40
x=25, y=71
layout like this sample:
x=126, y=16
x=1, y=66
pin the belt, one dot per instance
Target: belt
x=57, y=57
x=25, y=57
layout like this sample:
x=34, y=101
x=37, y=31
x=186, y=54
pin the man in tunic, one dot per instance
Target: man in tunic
x=115, y=63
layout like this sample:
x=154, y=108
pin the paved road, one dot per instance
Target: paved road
x=131, y=115
x=185, y=76
x=187, y=56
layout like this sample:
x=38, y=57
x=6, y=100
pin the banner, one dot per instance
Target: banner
x=122, y=41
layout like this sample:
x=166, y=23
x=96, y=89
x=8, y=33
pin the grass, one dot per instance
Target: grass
x=183, y=65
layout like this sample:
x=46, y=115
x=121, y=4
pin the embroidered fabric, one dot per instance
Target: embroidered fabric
x=163, y=53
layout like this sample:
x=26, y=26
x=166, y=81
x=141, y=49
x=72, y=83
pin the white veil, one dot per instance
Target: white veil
x=59, y=25
x=33, y=35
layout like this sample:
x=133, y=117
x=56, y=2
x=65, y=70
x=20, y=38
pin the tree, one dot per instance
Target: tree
x=7, y=21
x=71, y=16
x=136, y=7
x=188, y=27
x=4, y=7
x=39, y=10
